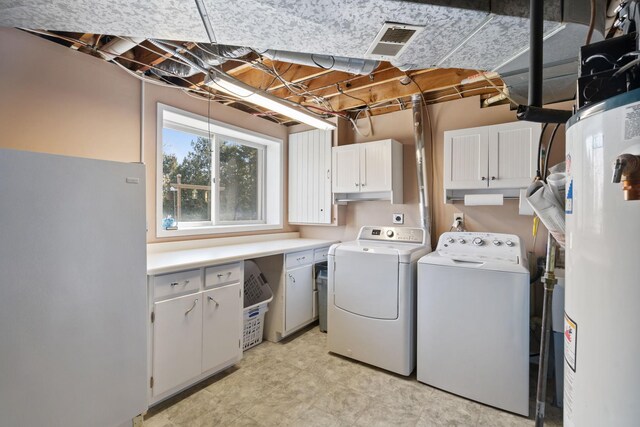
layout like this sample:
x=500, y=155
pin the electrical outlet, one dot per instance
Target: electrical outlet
x=458, y=216
x=398, y=218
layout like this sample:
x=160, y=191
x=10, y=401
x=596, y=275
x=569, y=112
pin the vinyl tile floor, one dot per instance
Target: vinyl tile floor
x=297, y=382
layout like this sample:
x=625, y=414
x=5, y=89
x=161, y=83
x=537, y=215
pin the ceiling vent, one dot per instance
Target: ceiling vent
x=392, y=40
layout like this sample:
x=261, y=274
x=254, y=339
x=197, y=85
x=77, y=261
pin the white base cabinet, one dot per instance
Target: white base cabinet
x=298, y=298
x=220, y=325
x=196, y=326
x=177, y=344
x=294, y=292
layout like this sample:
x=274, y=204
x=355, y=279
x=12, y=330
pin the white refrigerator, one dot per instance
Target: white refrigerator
x=72, y=291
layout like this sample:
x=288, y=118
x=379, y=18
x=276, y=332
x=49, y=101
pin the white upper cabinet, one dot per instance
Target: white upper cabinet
x=346, y=169
x=375, y=166
x=491, y=157
x=466, y=158
x=310, y=177
x=368, y=171
x=513, y=152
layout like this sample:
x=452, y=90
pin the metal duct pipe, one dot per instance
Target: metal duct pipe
x=418, y=134
x=118, y=46
x=208, y=54
x=337, y=63
x=536, y=43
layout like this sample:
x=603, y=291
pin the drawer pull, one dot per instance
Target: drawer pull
x=186, y=282
x=293, y=279
x=220, y=275
x=192, y=307
x=216, y=302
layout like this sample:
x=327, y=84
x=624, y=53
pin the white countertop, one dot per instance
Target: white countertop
x=177, y=260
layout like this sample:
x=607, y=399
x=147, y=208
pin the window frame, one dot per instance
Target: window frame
x=270, y=173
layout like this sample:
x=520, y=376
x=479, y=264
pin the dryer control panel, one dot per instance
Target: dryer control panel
x=472, y=246
x=393, y=234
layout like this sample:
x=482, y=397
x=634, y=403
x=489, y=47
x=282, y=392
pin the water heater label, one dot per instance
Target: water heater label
x=570, y=340
x=632, y=121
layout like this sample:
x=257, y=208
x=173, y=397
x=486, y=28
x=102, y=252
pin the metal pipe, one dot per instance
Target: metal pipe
x=536, y=34
x=142, y=121
x=179, y=56
x=549, y=281
x=418, y=133
x=329, y=62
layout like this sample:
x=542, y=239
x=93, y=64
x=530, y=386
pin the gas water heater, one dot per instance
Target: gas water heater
x=602, y=305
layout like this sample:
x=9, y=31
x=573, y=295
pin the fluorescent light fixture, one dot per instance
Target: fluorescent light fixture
x=245, y=92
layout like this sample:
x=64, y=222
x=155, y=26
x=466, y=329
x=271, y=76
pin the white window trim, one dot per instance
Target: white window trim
x=273, y=177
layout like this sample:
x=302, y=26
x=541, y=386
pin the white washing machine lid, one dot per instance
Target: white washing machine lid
x=485, y=251
x=480, y=263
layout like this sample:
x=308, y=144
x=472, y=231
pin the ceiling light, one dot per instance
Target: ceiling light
x=245, y=92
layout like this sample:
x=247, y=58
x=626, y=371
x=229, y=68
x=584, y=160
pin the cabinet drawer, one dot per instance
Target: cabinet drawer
x=168, y=285
x=320, y=254
x=222, y=274
x=296, y=259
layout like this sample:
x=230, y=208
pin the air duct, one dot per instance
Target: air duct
x=209, y=55
x=336, y=63
x=118, y=46
x=418, y=132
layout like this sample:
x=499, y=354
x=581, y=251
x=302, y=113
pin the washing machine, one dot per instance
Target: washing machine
x=473, y=319
x=371, y=309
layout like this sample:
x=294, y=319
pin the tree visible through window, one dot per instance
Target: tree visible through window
x=214, y=177
x=205, y=182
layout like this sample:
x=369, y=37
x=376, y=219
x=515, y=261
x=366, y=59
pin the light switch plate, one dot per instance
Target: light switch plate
x=398, y=218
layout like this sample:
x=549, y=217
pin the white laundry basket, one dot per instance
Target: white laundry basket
x=257, y=295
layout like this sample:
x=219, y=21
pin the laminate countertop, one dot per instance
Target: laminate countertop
x=184, y=259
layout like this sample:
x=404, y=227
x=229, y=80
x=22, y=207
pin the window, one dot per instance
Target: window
x=214, y=177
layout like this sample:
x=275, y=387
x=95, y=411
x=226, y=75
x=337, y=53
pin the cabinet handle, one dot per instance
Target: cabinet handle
x=493, y=178
x=211, y=299
x=174, y=283
x=357, y=184
x=364, y=184
x=192, y=307
x=220, y=275
x=328, y=173
x=484, y=178
x=293, y=279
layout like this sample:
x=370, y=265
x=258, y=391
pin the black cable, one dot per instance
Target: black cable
x=333, y=62
x=546, y=159
x=352, y=97
x=539, y=163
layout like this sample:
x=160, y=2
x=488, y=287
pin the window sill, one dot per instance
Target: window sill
x=218, y=229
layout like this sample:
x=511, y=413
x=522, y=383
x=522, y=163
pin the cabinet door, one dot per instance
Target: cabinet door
x=310, y=177
x=177, y=342
x=466, y=153
x=298, y=297
x=221, y=325
x=513, y=150
x=346, y=168
x=375, y=166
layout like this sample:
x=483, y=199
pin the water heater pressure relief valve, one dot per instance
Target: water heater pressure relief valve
x=626, y=169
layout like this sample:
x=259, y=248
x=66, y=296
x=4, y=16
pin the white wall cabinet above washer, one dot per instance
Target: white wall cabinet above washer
x=500, y=156
x=310, y=177
x=368, y=171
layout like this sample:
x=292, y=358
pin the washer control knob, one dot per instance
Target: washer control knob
x=509, y=243
x=461, y=241
x=478, y=241
x=450, y=240
x=390, y=233
x=497, y=242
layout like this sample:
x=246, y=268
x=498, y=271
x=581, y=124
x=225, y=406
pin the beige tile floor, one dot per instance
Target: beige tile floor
x=298, y=383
